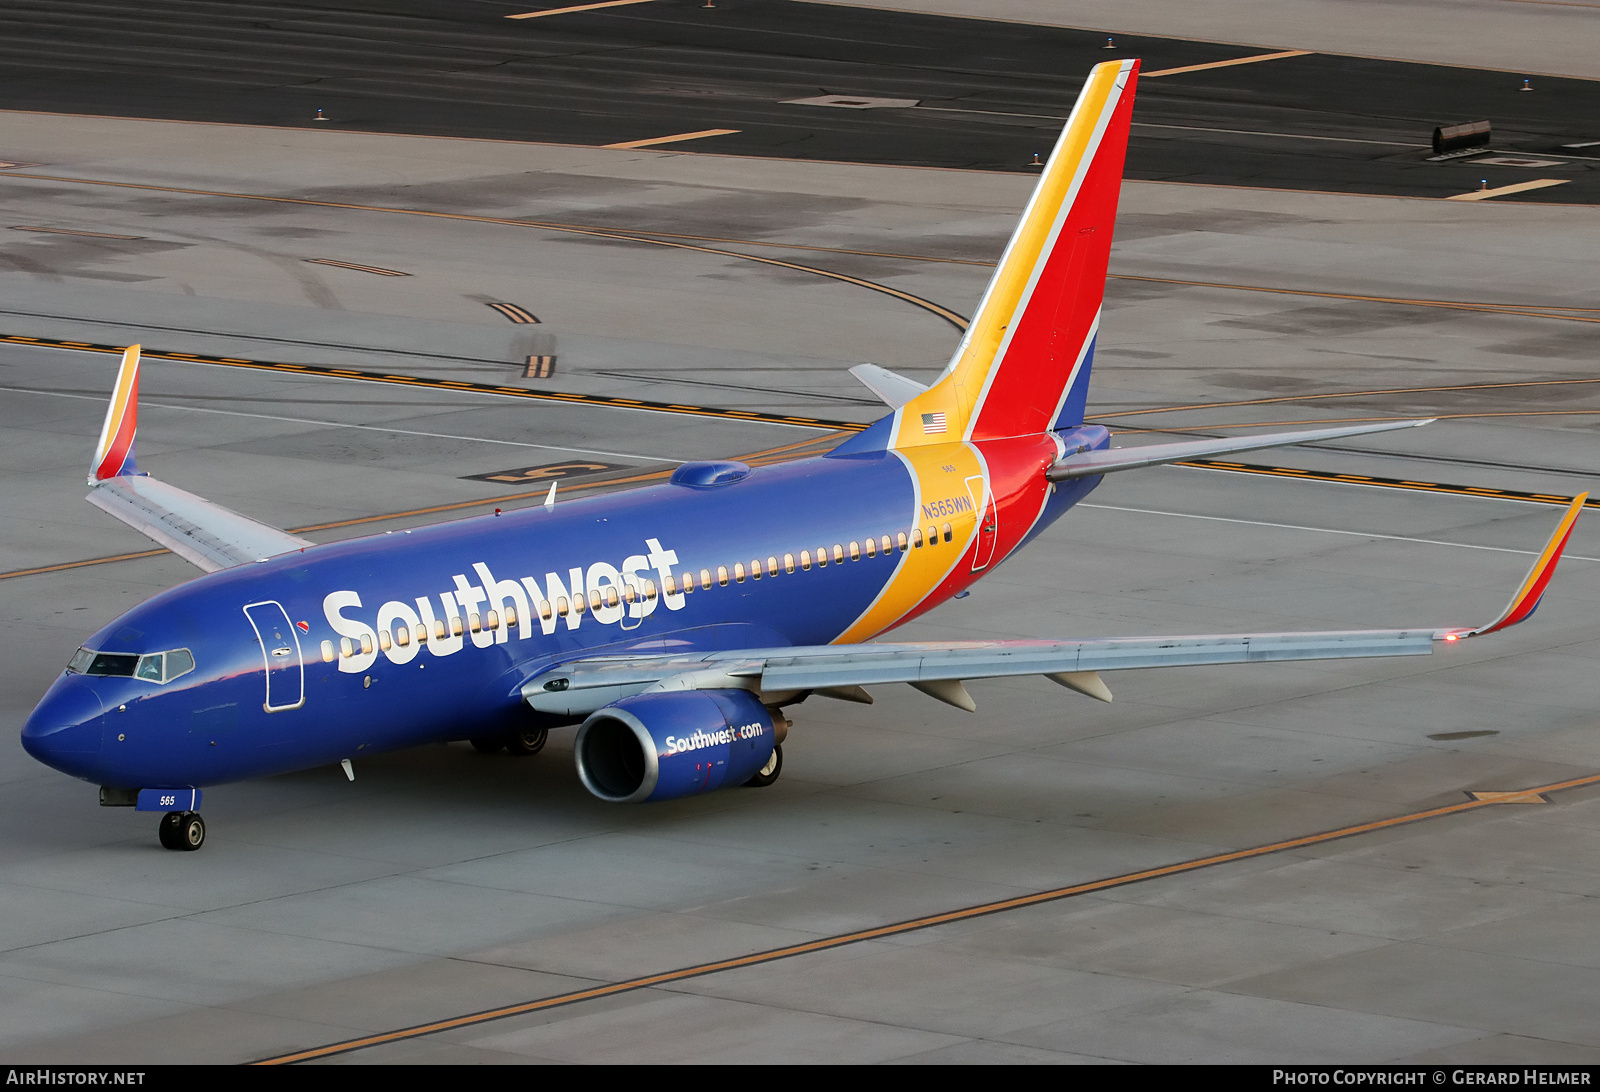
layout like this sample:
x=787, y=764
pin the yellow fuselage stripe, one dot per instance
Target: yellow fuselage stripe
x=938, y=473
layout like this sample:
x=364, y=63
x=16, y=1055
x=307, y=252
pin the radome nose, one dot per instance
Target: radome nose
x=66, y=725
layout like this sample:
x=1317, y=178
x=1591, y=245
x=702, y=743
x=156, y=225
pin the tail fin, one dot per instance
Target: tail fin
x=1023, y=365
x=113, y=455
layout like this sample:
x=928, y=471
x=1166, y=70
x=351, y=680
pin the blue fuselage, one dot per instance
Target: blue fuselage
x=299, y=660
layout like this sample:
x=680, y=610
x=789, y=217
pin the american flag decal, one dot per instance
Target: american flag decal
x=933, y=422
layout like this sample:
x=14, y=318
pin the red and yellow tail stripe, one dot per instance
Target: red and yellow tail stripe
x=1527, y=599
x=113, y=455
x=1028, y=338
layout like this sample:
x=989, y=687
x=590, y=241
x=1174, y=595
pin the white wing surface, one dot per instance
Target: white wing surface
x=581, y=686
x=202, y=533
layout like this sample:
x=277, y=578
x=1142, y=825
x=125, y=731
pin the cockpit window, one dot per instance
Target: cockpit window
x=109, y=663
x=156, y=667
x=179, y=662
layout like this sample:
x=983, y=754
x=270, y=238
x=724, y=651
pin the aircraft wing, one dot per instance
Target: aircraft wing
x=204, y=534
x=938, y=669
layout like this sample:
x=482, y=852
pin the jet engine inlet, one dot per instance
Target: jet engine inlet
x=662, y=746
x=611, y=758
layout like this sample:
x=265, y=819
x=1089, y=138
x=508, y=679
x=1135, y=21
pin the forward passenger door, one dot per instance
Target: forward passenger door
x=280, y=652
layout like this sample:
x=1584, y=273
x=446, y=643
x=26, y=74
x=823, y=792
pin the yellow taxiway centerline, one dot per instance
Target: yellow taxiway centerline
x=1519, y=187
x=1226, y=64
x=653, y=141
x=576, y=8
x=1474, y=802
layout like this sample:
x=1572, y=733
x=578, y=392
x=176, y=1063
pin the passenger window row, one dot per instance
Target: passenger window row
x=647, y=592
x=855, y=551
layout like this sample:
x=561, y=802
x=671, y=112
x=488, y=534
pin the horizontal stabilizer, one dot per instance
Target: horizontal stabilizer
x=895, y=390
x=202, y=533
x=1088, y=463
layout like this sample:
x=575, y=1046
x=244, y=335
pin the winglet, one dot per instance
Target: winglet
x=1531, y=593
x=113, y=455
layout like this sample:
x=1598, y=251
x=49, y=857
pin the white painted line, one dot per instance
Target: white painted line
x=1520, y=187
x=1329, y=530
x=1286, y=136
x=1183, y=128
x=1517, y=161
x=363, y=428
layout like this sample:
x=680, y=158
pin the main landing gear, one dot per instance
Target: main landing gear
x=182, y=830
x=524, y=741
x=767, y=774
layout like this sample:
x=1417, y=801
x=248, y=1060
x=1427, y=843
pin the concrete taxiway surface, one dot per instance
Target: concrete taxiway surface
x=443, y=882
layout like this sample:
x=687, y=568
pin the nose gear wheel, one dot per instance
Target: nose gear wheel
x=182, y=830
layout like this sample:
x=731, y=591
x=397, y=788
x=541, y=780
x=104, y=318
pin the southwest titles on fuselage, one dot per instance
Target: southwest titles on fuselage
x=606, y=592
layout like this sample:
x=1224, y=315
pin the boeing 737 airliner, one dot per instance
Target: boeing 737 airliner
x=673, y=623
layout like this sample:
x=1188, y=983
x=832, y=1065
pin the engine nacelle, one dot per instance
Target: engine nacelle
x=665, y=745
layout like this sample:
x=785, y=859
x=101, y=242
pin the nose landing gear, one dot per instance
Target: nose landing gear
x=183, y=830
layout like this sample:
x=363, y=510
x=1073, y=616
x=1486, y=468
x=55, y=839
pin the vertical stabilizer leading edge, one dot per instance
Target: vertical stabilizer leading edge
x=1023, y=365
